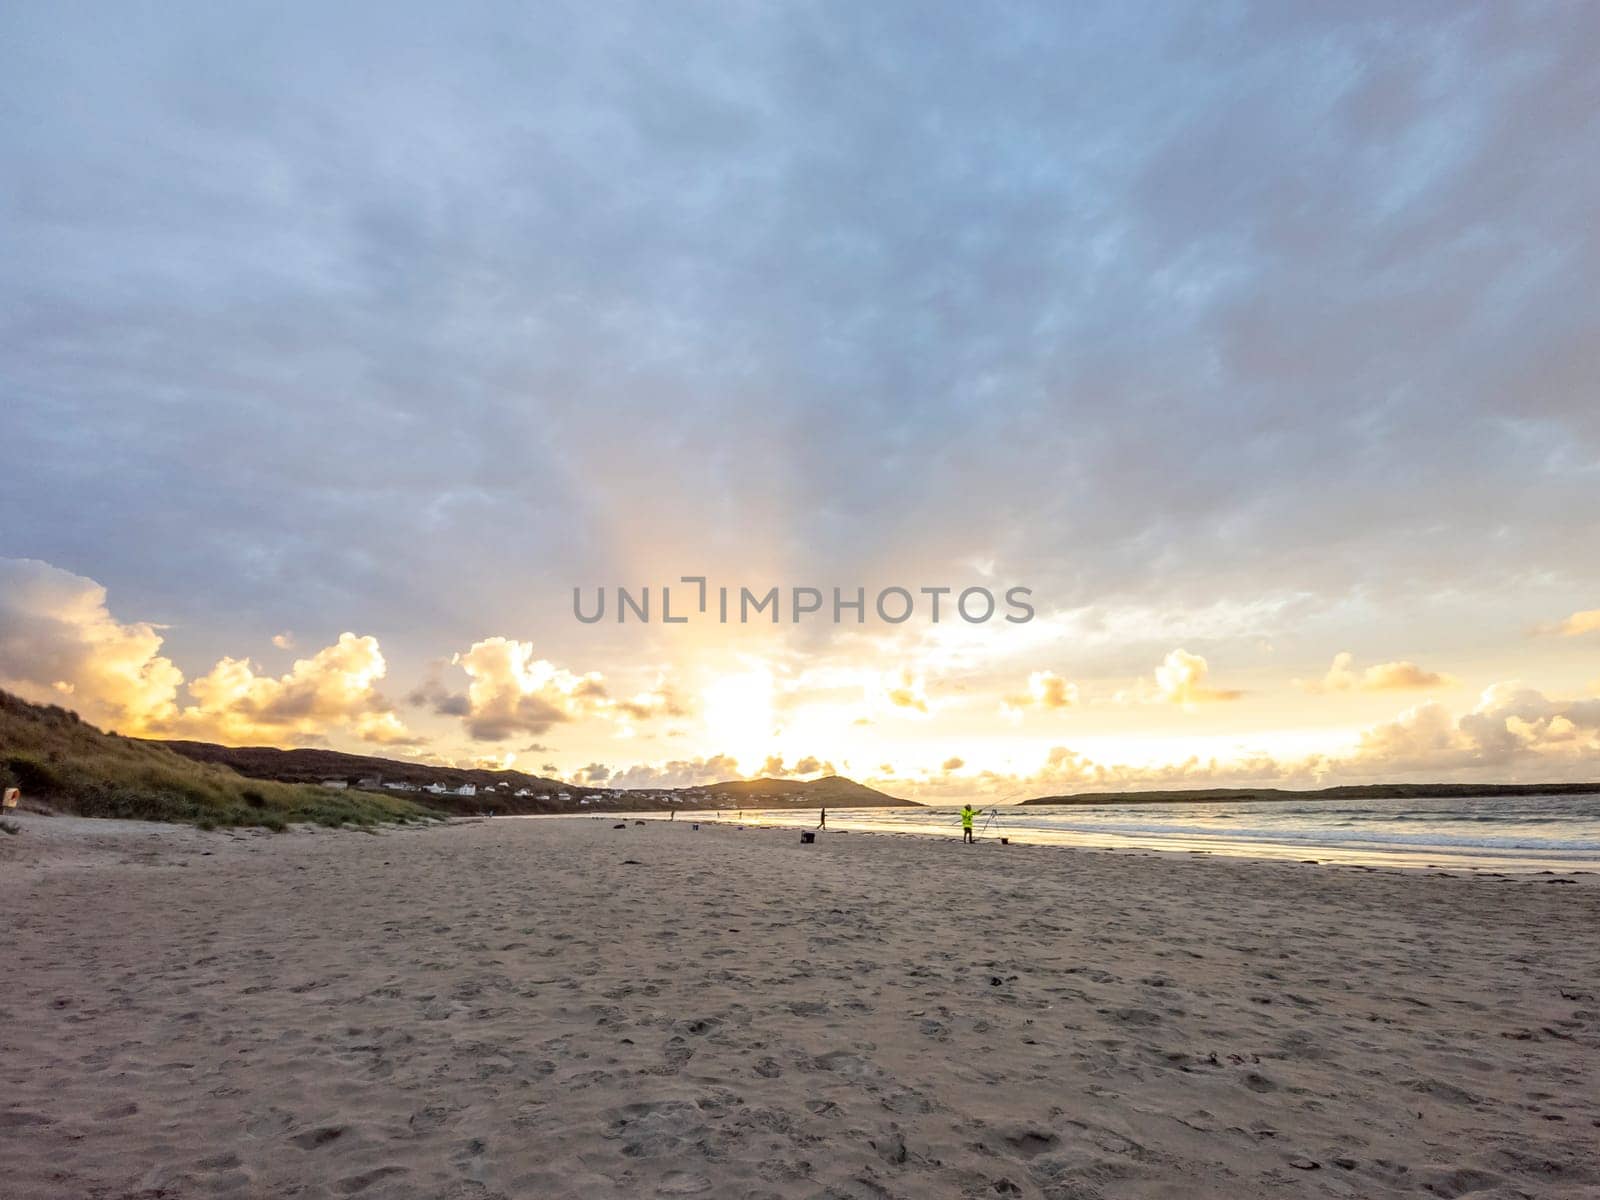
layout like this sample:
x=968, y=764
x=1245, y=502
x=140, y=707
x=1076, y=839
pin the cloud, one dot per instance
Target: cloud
x=1512, y=728
x=1513, y=733
x=678, y=773
x=1384, y=677
x=333, y=690
x=511, y=691
x=284, y=640
x=1045, y=690
x=658, y=701
x=58, y=638
x=1579, y=623
x=1181, y=679
x=901, y=690
x=775, y=767
x=433, y=695
x=952, y=764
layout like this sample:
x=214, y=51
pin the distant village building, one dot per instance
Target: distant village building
x=467, y=789
x=400, y=786
x=437, y=788
x=524, y=792
x=372, y=782
x=337, y=785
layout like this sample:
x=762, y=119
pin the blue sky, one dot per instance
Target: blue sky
x=1261, y=332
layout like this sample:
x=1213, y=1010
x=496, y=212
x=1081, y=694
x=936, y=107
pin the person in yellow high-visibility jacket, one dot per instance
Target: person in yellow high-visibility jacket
x=967, y=813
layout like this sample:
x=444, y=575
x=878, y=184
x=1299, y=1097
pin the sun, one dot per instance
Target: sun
x=739, y=715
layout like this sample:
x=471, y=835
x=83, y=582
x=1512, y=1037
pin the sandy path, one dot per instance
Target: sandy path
x=508, y=1008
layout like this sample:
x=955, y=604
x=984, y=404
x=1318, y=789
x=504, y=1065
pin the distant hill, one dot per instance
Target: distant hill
x=497, y=790
x=1360, y=791
x=831, y=791
x=63, y=763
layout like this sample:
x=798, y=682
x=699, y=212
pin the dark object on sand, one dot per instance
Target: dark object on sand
x=623, y=825
x=632, y=862
x=1005, y=841
x=638, y=822
x=696, y=825
x=807, y=836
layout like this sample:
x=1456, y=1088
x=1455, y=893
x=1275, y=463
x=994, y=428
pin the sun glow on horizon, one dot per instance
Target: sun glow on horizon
x=739, y=714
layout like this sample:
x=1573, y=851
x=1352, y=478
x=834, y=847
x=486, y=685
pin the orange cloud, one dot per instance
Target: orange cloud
x=1046, y=690
x=1587, y=621
x=1181, y=679
x=510, y=691
x=60, y=639
x=1384, y=677
x=903, y=689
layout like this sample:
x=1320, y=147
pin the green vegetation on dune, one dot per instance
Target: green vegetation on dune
x=55, y=757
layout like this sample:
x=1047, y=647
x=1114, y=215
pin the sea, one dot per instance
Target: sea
x=1485, y=833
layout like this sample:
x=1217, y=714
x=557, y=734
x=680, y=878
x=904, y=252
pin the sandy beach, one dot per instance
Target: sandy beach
x=561, y=1008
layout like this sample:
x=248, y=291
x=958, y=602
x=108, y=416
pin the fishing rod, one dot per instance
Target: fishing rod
x=994, y=809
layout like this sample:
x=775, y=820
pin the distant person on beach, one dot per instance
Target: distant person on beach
x=823, y=824
x=967, y=813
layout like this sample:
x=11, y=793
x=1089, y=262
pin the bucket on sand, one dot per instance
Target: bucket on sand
x=807, y=836
x=12, y=796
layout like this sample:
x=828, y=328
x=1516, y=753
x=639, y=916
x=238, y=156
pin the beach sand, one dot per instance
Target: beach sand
x=559, y=1008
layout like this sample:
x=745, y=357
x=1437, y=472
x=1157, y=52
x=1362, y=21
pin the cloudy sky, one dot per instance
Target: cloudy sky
x=1260, y=341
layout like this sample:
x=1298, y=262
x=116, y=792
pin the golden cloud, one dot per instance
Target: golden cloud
x=60, y=639
x=1045, y=690
x=902, y=689
x=511, y=691
x=1384, y=677
x=1587, y=621
x=1181, y=679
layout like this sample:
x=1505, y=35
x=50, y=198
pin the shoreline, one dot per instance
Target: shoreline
x=1375, y=855
x=1426, y=860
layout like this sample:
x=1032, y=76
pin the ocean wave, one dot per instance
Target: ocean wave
x=1304, y=836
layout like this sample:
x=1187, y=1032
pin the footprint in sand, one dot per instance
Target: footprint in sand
x=359, y=1183
x=311, y=1139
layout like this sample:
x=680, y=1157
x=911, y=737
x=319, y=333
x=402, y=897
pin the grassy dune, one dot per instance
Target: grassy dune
x=55, y=757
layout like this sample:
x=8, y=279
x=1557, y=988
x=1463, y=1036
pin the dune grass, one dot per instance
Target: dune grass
x=55, y=757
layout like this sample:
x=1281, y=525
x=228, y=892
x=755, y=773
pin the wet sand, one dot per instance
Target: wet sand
x=559, y=1008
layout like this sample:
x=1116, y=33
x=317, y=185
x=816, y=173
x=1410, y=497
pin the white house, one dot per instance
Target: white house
x=438, y=789
x=467, y=789
x=337, y=785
